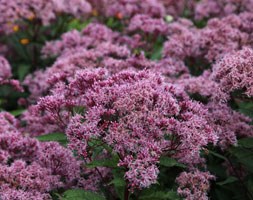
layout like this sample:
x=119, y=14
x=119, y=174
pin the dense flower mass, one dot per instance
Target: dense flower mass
x=128, y=8
x=235, y=72
x=29, y=167
x=126, y=99
x=148, y=25
x=5, y=75
x=194, y=185
x=133, y=113
x=46, y=11
x=5, y=69
x=220, y=8
x=218, y=37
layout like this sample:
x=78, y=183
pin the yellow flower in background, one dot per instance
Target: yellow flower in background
x=24, y=41
x=94, y=12
x=31, y=17
x=15, y=28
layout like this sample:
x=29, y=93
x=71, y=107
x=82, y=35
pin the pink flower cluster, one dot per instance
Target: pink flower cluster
x=235, y=72
x=103, y=88
x=5, y=75
x=221, y=8
x=210, y=43
x=133, y=113
x=153, y=8
x=148, y=24
x=31, y=169
x=46, y=10
x=96, y=46
x=5, y=69
x=194, y=185
x=128, y=8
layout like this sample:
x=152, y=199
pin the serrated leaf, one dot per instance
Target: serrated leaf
x=56, y=137
x=230, y=179
x=170, y=162
x=78, y=194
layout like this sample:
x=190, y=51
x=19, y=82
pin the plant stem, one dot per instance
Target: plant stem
x=126, y=194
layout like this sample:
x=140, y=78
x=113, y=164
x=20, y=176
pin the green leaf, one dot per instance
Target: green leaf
x=246, y=108
x=78, y=194
x=77, y=24
x=159, y=195
x=110, y=22
x=250, y=185
x=244, y=156
x=170, y=162
x=17, y=112
x=217, y=169
x=104, y=163
x=57, y=137
x=217, y=155
x=221, y=194
x=119, y=182
x=230, y=179
x=23, y=70
x=157, y=54
x=246, y=142
x=79, y=109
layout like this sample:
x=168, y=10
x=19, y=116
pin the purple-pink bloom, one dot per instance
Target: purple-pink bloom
x=194, y=185
x=235, y=72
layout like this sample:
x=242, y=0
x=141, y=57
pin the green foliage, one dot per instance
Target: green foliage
x=246, y=143
x=76, y=24
x=114, y=24
x=17, y=112
x=26, y=58
x=244, y=153
x=217, y=155
x=170, y=162
x=55, y=137
x=232, y=184
x=230, y=179
x=78, y=194
x=159, y=195
x=9, y=98
x=119, y=182
x=109, y=162
x=22, y=71
x=246, y=107
x=156, y=51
